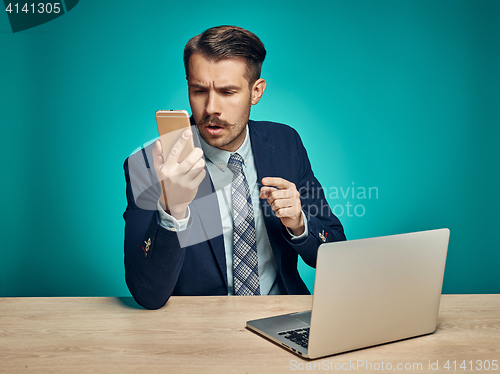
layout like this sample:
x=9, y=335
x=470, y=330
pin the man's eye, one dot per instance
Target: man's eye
x=228, y=92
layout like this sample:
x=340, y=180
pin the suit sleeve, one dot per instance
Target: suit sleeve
x=324, y=226
x=153, y=254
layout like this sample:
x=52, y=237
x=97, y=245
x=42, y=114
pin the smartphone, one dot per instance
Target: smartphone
x=171, y=125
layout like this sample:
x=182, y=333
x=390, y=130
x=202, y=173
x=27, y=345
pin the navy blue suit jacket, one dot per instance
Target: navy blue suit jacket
x=192, y=262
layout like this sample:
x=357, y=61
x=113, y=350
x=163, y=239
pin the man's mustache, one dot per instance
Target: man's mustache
x=214, y=120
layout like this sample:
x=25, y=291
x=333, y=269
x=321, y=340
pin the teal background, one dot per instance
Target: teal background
x=397, y=95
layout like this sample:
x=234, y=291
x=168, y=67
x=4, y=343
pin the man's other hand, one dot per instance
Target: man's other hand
x=284, y=199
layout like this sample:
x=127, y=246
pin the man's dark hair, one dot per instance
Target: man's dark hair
x=223, y=42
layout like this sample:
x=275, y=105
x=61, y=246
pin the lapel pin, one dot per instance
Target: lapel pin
x=148, y=243
x=323, y=236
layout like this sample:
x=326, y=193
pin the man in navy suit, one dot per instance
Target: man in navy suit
x=179, y=237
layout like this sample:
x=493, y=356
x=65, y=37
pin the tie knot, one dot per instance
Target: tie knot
x=235, y=163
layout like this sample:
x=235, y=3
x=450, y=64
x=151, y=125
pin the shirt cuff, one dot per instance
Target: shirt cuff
x=305, y=234
x=170, y=223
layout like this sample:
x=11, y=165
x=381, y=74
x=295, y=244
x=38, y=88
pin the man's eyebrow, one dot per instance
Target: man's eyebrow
x=221, y=88
x=228, y=88
x=195, y=85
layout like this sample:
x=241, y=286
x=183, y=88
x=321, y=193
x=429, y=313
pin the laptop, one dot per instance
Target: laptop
x=367, y=292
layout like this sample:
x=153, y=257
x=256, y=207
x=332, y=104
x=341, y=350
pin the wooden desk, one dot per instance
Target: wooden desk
x=208, y=335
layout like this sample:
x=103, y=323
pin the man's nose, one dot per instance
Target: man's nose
x=212, y=107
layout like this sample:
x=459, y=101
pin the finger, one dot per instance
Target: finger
x=195, y=158
x=265, y=192
x=200, y=164
x=280, y=203
x=277, y=182
x=283, y=194
x=195, y=170
x=288, y=212
x=173, y=156
x=157, y=155
x=196, y=181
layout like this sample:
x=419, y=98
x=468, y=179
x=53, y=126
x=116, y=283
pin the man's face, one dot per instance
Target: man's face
x=220, y=99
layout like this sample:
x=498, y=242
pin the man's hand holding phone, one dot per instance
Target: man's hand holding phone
x=180, y=178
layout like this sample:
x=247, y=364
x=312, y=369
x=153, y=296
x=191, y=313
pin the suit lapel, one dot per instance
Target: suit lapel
x=265, y=158
x=263, y=154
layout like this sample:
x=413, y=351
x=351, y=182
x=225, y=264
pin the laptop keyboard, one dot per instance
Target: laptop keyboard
x=298, y=336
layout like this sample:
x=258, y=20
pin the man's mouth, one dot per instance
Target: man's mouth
x=213, y=129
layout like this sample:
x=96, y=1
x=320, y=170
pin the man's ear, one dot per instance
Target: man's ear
x=258, y=89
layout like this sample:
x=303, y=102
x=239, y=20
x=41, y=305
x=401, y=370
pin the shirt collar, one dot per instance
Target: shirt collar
x=220, y=157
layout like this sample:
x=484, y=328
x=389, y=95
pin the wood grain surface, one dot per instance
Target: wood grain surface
x=208, y=335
